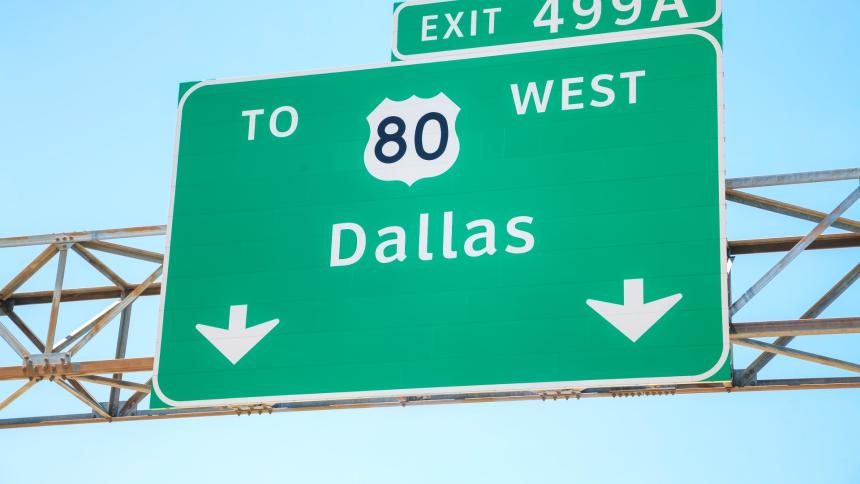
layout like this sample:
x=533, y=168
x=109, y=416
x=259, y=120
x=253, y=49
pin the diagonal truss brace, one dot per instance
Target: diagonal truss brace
x=751, y=372
x=81, y=394
x=114, y=311
x=796, y=251
x=6, y=308
x=790, y=210
x=801, y=355
x=14, y=343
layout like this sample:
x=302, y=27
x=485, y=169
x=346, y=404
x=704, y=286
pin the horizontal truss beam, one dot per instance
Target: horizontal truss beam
x=759, y=386
x=785, y=244
x=128, y=365
x=801, y=327
x=790, y=210
x=83, y=294
x=794, y=178
x=72, y=237
x=737, y=247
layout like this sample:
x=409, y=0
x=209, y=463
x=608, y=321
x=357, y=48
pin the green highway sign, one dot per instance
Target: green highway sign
x=540, y=219
x=434, y=27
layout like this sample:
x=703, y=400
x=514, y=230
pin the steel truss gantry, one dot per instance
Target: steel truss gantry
x=56, y=361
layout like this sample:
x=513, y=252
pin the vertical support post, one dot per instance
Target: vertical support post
x=55, y=302
x=121, y=345
x=730, y=264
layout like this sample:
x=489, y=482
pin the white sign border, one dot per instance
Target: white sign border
x=586, y=39
x=463, y=390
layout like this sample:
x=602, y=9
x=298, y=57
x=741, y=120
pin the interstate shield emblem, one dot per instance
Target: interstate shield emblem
x=412, y=139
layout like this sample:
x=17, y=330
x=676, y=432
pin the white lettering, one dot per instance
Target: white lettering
x=294, y=122
x=424, y=222
x=527, y=238
x=453, y=25
x=391, y=244
x=632, y=77
x=567, y=93
x=531, y=95
x=488, y=236
x=361, y=243
x=492, y=14
x=593, y=12
x=676, y=6
x=426, y=28
x=601, y=89
x=252, y=121
x=601, y=93
x=398, y=242
x=634, y=7
x=548, y=17
x=447, y=251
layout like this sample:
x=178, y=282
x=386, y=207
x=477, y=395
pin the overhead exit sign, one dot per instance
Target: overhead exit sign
x=527, y=221
x=439, y=27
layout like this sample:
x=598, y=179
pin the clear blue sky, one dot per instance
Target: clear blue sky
x=88, y=96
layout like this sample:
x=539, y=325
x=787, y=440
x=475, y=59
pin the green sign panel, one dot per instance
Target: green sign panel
x=533, y=220
x=423, y=27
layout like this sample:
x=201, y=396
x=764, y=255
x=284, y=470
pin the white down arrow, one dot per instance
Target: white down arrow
x=238, y=339
x=634, y=318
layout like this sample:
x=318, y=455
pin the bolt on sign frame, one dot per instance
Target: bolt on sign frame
x=99, y=384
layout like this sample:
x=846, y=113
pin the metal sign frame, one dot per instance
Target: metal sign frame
x=74, y=374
